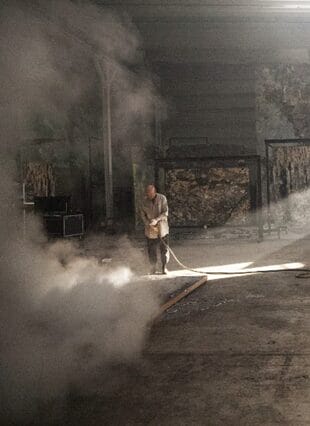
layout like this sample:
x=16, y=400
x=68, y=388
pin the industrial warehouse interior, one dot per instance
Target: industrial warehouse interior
x=155, y=212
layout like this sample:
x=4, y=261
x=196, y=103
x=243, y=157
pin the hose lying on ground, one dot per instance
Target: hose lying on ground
x=302, y=272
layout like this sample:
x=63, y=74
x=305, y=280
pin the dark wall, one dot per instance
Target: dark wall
x=209, y=100
x=282, y=101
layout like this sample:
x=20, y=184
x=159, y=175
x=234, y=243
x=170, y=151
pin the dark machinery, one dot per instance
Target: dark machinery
x=58, y=219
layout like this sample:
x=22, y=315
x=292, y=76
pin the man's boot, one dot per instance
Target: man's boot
x=164, y=269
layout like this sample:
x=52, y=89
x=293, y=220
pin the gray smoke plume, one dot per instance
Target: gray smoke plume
x=62, y=315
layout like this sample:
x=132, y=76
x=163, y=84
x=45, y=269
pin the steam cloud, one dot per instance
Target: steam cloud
x=62, y=315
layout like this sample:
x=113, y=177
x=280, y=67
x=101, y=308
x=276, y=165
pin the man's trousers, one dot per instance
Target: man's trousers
x=152, y=246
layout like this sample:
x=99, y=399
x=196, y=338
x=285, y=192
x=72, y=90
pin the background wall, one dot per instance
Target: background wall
x=282, y=102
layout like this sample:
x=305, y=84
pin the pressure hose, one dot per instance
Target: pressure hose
x=302, y=272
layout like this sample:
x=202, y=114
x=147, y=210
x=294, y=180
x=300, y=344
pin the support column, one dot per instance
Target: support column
x=106, y=77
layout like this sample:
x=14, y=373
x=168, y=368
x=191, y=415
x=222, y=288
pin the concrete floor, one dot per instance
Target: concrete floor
x=235, y=352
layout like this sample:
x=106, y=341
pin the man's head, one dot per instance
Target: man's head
x=150, y=192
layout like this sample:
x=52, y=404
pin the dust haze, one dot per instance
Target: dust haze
x=62, y=315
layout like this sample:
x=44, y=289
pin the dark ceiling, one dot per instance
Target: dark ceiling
x=152, y=10
x=220, y=30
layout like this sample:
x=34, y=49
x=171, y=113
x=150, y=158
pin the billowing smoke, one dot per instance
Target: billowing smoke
x=62, y=318
x=62, y=315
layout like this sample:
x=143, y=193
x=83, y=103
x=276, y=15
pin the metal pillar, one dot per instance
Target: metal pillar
x=158, y=137
x=107, y=140
x=90, y=183
x=268, y=187
x=106, y=77
x=259, y=200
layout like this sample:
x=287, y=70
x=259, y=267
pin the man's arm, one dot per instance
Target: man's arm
x=144, y=218
x=164, y=210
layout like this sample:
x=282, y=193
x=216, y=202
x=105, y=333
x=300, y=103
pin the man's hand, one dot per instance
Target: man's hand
x=153, y=222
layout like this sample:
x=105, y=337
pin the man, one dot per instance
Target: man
x=154, y=213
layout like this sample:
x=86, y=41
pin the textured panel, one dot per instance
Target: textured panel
x=214, y=196
x=289, y=181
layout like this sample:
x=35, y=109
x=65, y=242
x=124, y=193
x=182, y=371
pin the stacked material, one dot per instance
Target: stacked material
x=212, y=197
x=39, y=180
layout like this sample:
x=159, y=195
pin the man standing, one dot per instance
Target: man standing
x=154, y=213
